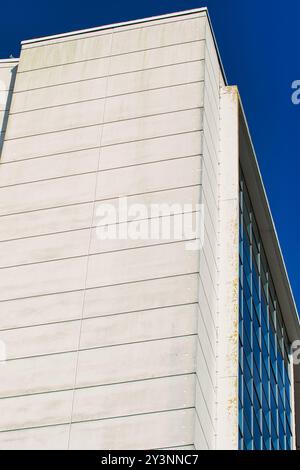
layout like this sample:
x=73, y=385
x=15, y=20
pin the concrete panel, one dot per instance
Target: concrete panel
x=136, y=361
x=43, y=278
x=59, y=95
x=151, y=177
x=209, y=168
x=114, y=133
x=98, y=402
x=211, y=54
x=41, y=310
x=95, y=46
x=78, y=216
x=210, y=289
x=152, y=102
x=146, y=396
x=153, y=126
x=211, y=253
x=98, y=245
x=38, y=169
x=159, y=35
x=208, y=312
x=158, y=57
x=210, y=237
x=169, y=291
x=42, y=222
x=211, y=192
x=48, y=438
x=210, y=217
x=7, y=77
x=2, y=114
x=51, y=144
x=38, y=374
x=211, y=158
x=41, y=340
x=95, y=68
x=75, y=49
x=199, y=436
x=158, y=77
x=207, y=378
x=211, y=120
x=100, y=332
x=45, y=248
x=128, y=25
x=211, y=133
x=117, y=108
x=210, y=138
x=184, y=198
x=140, y=264
x=210, y=262
x=47, y=194
x=46, y=409
x=161, y=148
x=139, y=326
x=206, y=339
x=7, y=74
x=55, y=119
x=210, y=225
x=4, y=95
x=137, y=432
x=115, y=85
x=113, y=300
x=210, y=77
x=211, y=205
x=61, y=74
x=205, y=421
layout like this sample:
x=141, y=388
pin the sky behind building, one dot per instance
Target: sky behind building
x=259, y=48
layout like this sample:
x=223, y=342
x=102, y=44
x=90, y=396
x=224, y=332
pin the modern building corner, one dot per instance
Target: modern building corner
x=131, y=343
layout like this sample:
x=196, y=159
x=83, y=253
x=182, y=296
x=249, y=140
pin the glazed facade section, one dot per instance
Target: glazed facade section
x=265, y=417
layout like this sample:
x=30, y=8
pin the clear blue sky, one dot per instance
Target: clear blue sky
x=259, y=44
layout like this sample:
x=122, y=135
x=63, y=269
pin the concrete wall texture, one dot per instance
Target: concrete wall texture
x=110, y=345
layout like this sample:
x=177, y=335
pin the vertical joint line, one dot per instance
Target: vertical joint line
x=101, y=125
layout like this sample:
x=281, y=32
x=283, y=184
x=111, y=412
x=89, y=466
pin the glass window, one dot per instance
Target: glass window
x=264, y=372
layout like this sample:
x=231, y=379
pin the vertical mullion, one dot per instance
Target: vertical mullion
x=260, y=353
x=241, y=306
x=251, y=332
x=268, y=350
x=276, y=369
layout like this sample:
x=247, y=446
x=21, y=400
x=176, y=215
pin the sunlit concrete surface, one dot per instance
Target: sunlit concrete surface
x=119, y=345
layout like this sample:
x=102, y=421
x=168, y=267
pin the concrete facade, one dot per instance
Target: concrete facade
x=118, y=344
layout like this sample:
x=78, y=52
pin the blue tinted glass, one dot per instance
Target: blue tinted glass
x=266, y=433
x=264, y=382
x=248, y=439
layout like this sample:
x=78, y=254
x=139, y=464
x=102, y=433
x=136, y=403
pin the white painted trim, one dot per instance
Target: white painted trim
x=228, y=287
x=8, y=61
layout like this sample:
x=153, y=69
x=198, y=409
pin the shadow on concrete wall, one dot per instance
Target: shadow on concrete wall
x=7, y=107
